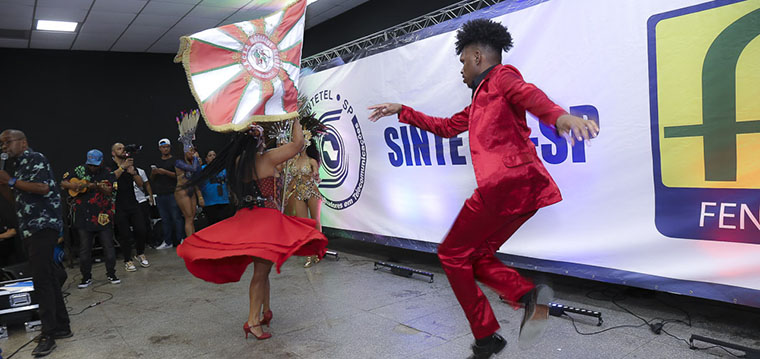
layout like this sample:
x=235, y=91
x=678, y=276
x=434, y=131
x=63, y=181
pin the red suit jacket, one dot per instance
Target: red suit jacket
x=511, y=178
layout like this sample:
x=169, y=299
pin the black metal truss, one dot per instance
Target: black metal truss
x=436, y=17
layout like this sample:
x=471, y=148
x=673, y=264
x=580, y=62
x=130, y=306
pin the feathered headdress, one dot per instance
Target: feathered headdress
x=187, y=123
x=311, y=126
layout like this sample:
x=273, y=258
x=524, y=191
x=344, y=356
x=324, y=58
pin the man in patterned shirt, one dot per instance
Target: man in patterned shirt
x=93, y=213
x=38, y=208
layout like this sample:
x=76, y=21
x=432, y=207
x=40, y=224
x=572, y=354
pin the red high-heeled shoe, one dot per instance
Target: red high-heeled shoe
x=247, y=329
x=267, y=317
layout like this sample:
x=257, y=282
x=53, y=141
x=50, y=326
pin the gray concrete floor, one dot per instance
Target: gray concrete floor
x=345, y=309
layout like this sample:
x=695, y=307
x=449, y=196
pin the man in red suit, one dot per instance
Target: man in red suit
x=512, y=182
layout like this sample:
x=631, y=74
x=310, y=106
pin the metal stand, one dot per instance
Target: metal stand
x=333, y=254
x=403, y=271
x=556, y=309
x=749, y=353
x=33, y=326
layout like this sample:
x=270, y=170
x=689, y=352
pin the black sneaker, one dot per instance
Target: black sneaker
x=58, y=334
x=494, y=346
x=84, y=283
x=536, y=315
x=45, y=346
x=113, y=279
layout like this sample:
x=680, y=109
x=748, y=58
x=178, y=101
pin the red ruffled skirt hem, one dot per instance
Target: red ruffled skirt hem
x=222, y=252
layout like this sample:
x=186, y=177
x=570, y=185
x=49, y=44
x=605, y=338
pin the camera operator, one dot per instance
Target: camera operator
x=128, y=212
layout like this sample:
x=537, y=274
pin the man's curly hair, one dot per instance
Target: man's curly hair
x=484, y=32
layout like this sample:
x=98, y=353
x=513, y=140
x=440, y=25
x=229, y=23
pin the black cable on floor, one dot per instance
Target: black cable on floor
x=66, y=295
x=110, y=296
x=656, y=325
x=19, y=349
x=603, y=330
x=663, y=330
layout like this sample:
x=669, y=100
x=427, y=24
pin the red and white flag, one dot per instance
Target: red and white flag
x=248, y=71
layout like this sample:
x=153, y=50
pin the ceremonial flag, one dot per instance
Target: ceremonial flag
x=248, y=71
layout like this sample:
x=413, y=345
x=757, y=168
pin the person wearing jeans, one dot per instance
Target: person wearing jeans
x=91, y=188
x=171, y=220
x=144, y=197
x=86, y=238
x=129, y=217
x=164, y=181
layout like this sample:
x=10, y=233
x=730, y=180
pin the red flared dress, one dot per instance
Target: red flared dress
x=220, y=253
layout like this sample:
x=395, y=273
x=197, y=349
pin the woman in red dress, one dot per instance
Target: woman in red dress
x=258, y=232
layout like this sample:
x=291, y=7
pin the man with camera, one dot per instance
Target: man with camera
x=128, y=213
x=91, y=186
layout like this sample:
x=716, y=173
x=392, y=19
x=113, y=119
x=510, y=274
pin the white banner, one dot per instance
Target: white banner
x=665, y=190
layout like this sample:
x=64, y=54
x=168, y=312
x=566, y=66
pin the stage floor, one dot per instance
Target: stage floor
x=345, y=309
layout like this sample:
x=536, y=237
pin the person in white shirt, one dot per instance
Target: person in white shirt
x=144, y=201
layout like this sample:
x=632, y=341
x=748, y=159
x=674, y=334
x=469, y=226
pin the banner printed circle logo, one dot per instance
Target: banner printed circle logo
x=261, y=57
x=342, y=151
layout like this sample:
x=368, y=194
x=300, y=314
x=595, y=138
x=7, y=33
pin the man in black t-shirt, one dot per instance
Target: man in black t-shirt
x=91, y=186
x=128, y=212
x=164, y=181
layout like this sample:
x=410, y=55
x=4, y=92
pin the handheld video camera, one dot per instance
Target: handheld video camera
x=131, y=150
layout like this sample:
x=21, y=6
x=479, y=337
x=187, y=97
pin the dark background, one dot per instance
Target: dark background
x=68, y=102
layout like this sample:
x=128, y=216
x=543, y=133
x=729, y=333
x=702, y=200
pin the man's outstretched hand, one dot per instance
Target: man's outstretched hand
x=576, y=128
x=384, y=109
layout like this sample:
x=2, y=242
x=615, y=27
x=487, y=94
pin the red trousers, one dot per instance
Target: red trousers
x=467, y=254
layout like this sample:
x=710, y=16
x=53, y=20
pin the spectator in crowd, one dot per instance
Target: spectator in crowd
x=91, y=186
x=145, y=200
x=215, y=194
x=129, y=220
x=164, y=182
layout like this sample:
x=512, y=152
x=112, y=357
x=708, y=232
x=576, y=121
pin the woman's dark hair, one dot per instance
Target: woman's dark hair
x=239, y=171
x=313, y=152
x=484, y=32
x=310, y=122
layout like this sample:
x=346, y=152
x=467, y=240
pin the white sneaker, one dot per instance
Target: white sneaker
x=163, y=246
x=130, y=267
x=84, y=283
x=142, y=260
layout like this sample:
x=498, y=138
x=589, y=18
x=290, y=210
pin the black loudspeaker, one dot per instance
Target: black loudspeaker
x=24, y=271
x=17, y=271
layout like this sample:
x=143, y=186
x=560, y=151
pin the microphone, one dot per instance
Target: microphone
x=3, y=158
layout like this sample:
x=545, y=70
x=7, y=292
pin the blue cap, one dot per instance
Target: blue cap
x=94, y=157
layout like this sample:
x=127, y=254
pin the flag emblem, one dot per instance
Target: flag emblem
x=247, y=71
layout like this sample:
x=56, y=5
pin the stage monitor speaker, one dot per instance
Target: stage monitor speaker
x=17, y=271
